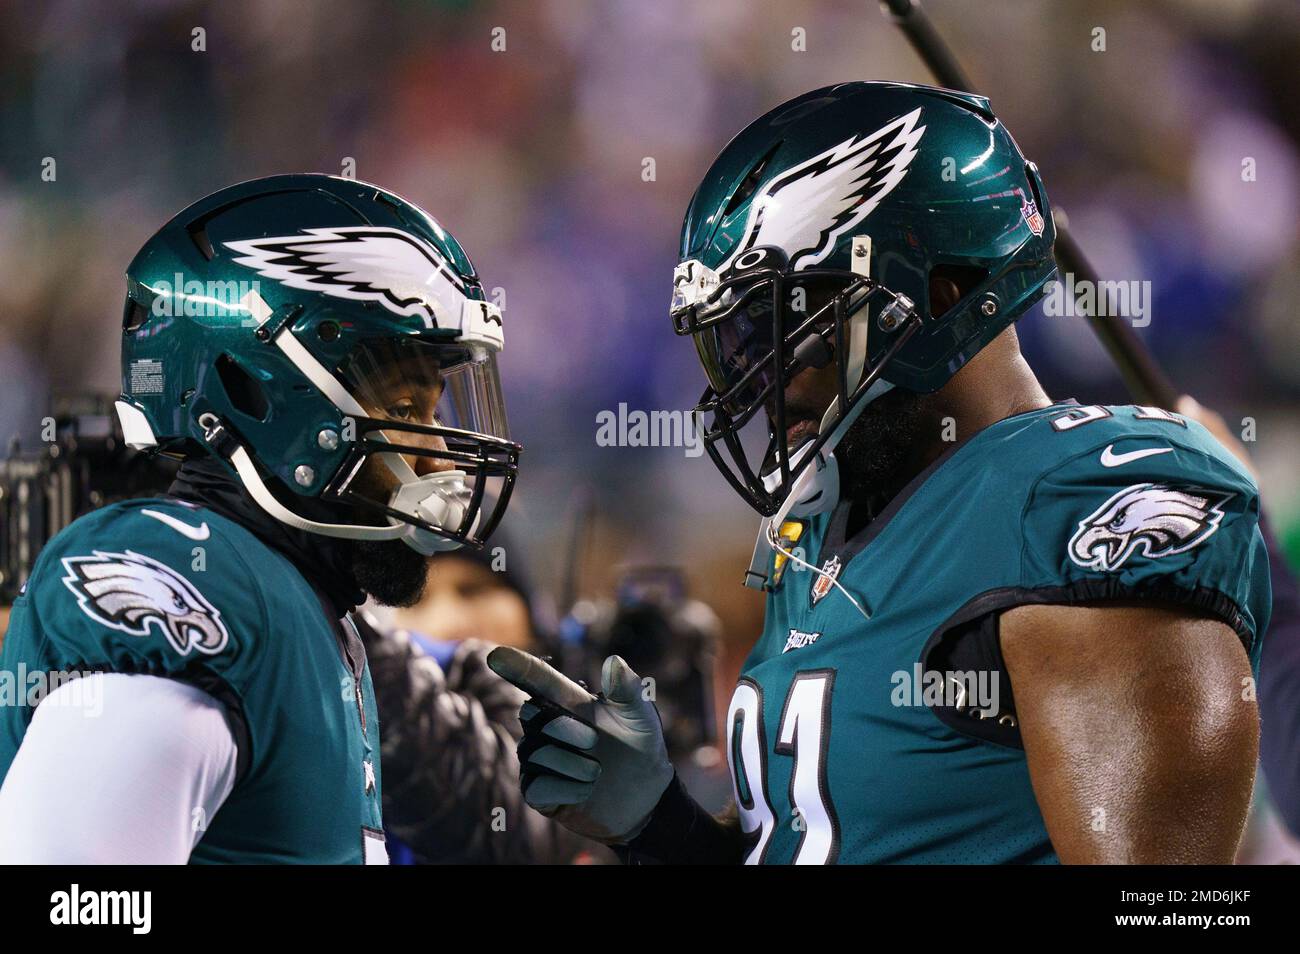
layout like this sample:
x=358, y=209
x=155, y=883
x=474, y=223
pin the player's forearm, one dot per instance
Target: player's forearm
x=681, y=832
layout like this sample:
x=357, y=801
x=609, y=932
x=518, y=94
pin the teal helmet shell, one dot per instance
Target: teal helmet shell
x=880, y=187
x=965, y=196
x=241, y=317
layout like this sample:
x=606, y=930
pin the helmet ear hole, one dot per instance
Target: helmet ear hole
x=244, y=391
x=949, y=284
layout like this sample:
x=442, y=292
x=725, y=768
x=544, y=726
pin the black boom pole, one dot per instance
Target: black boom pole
x=1143, y=376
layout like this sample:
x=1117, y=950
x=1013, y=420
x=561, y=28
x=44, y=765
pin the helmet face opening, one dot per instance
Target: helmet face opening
x=759, y=326
x=448, y=502
x=415, y=381
x=434, y=421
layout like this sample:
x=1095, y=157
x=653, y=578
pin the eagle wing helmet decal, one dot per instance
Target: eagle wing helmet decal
x=131, y=592
x=405, y=274
x=1157, y=519
x=806, y=209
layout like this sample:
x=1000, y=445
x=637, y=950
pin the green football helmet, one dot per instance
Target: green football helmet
x=331, y=344
x=813, y=238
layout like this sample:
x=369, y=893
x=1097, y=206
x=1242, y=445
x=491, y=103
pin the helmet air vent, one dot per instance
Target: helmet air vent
x=198, y=232
x=750, y=183
x=244, y=391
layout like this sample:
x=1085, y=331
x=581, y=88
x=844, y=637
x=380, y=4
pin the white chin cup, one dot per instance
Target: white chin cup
x=440, y=499
x=814, y=491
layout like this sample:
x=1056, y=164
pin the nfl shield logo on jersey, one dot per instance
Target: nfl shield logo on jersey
x=825, y=579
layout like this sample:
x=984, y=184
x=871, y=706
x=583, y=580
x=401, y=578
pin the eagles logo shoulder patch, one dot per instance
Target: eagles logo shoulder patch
x=131, y=592
x=1156, y=519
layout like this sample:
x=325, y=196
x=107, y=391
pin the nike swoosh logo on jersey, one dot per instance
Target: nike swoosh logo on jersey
x=201, y=532
x=1110, y=459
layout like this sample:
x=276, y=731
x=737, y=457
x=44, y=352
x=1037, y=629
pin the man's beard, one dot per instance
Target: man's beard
x=390, y=571
x=874, y=454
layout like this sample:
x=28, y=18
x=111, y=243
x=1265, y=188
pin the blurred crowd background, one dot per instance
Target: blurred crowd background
x=535, y=157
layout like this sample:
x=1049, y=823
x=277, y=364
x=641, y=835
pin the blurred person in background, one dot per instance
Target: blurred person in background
x=451, y=725
x=473, y=594
x=451, y=793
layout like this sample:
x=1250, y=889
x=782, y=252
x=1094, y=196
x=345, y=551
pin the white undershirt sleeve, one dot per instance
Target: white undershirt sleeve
x=116, y=769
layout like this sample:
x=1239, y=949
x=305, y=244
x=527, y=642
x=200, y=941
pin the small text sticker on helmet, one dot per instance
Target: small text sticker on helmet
x=145, y=376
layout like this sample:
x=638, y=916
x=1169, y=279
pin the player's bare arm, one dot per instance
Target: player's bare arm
x=1140, y=737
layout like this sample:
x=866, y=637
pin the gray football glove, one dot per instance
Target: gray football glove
x=596, y=764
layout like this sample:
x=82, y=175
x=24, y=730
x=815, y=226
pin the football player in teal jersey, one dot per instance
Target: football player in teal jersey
x=183, y=681
x=999, y=628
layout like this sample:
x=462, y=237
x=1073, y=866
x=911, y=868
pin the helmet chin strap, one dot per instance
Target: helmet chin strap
x=440, y=499
x=263, y=497
x=817, y=490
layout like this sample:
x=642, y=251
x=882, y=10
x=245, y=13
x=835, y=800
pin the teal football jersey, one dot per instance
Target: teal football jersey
x=893, y=738
x=175, y=590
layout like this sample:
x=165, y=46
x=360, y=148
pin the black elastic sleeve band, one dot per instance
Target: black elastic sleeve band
x=681, y=832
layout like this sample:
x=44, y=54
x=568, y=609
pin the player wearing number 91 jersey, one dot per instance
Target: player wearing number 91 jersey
x=896, y=737
x=999, y=629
